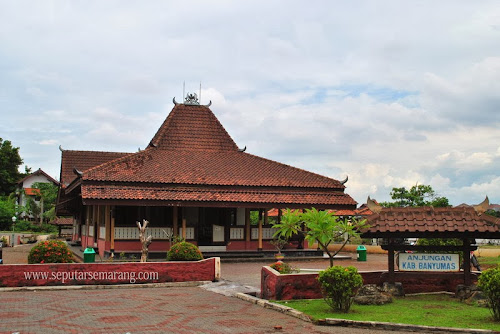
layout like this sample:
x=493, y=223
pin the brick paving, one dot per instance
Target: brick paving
x=17, y=254
x=249, y=273
x=146, y=310
x=155, y=310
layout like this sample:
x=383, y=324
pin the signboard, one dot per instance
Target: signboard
x=428, y=262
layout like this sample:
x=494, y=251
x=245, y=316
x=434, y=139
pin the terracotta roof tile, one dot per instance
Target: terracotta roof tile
x=428, y=219
x=83, y=160
x=202, y=167
x=32, y=191
x=202, y=194
x=62, y=221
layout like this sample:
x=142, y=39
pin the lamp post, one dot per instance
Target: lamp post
x=13, y=223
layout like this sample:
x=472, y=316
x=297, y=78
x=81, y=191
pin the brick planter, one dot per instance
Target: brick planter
x=306, y=286
x=56, y=274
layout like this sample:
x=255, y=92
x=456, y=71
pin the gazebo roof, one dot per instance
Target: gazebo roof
x=192, y=159
x=432, y=222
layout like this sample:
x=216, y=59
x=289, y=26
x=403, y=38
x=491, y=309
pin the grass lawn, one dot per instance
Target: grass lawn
x=489, y=261
x=428, y=310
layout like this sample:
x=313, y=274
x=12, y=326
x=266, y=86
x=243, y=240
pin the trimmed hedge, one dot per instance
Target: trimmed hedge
x=184, y=251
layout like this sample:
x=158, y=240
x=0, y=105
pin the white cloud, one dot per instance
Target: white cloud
x=334, y=87
x=48, y=142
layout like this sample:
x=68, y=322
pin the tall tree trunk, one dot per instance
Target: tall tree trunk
x=145, y=241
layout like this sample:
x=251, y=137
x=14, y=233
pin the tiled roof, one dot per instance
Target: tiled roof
x=32, y=191
x=204, y=194
x=206, y=167
x=432, y=220
x=193, y=127
x=83, y=160
x=192, y=147
x=62, y=221
x=193, y=151
x=39, y=171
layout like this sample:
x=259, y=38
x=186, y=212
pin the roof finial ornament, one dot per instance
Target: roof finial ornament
x=60, y=148
x=482, y=207
x=345, y=180
x=77, y=172
x=373, y=206
x=242, y=149
x=191, y=99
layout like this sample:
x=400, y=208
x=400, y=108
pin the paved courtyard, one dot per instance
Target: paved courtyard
x=144, y=310
x=156, y=310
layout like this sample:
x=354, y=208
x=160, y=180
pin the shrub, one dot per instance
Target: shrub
x=339, y=285
x=26, y=226
x=489, y=283
x=50, y=251
x=282, y=267
x=184, y=251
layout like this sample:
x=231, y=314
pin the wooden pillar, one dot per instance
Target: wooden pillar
x=175, y=217
x=112, y=231
x=87, y=225
x=278, y=220
x=260, y=230
x=107, y=222
x=390, y=253
x=466, y=259
x=184, y=228
x=248, y=230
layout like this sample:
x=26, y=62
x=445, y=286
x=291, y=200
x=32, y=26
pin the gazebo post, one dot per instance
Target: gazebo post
x=260, y=230
x=390, y=253
x=466, y=259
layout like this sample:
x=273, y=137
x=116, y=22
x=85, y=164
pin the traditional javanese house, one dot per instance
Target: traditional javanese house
x=192, y=181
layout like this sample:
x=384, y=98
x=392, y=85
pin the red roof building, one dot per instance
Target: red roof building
x=191, y=180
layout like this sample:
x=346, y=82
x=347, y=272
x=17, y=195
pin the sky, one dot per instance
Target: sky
x=388, y=93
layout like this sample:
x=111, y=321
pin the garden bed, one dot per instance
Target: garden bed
x=306, y=286
x=439, y=310
x=108, y=273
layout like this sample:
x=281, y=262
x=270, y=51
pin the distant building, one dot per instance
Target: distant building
x=25, y=189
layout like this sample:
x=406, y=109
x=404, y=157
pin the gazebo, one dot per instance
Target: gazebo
x=466, y=223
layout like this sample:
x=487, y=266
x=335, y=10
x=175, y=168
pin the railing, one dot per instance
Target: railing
x=267, y=233
x=237, y=233
x=128, y=233
x=102, y=232
x=189, y=233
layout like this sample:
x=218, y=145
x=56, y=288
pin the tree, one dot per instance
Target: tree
x=321, y=227
x=145, y=241
x=418, y=195
x=493, y=213
x=10, y=160
x=45, y=210
x=7, y=211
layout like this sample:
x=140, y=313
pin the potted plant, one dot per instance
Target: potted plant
x=279, y=243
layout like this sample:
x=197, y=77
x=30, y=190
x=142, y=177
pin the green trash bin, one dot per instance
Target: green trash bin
x=89, y=255
x=361, y=251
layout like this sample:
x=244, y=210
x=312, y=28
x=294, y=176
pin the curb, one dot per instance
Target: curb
x=102, y=287
x=275, y=307
x=400, y=327
x=357, y=323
